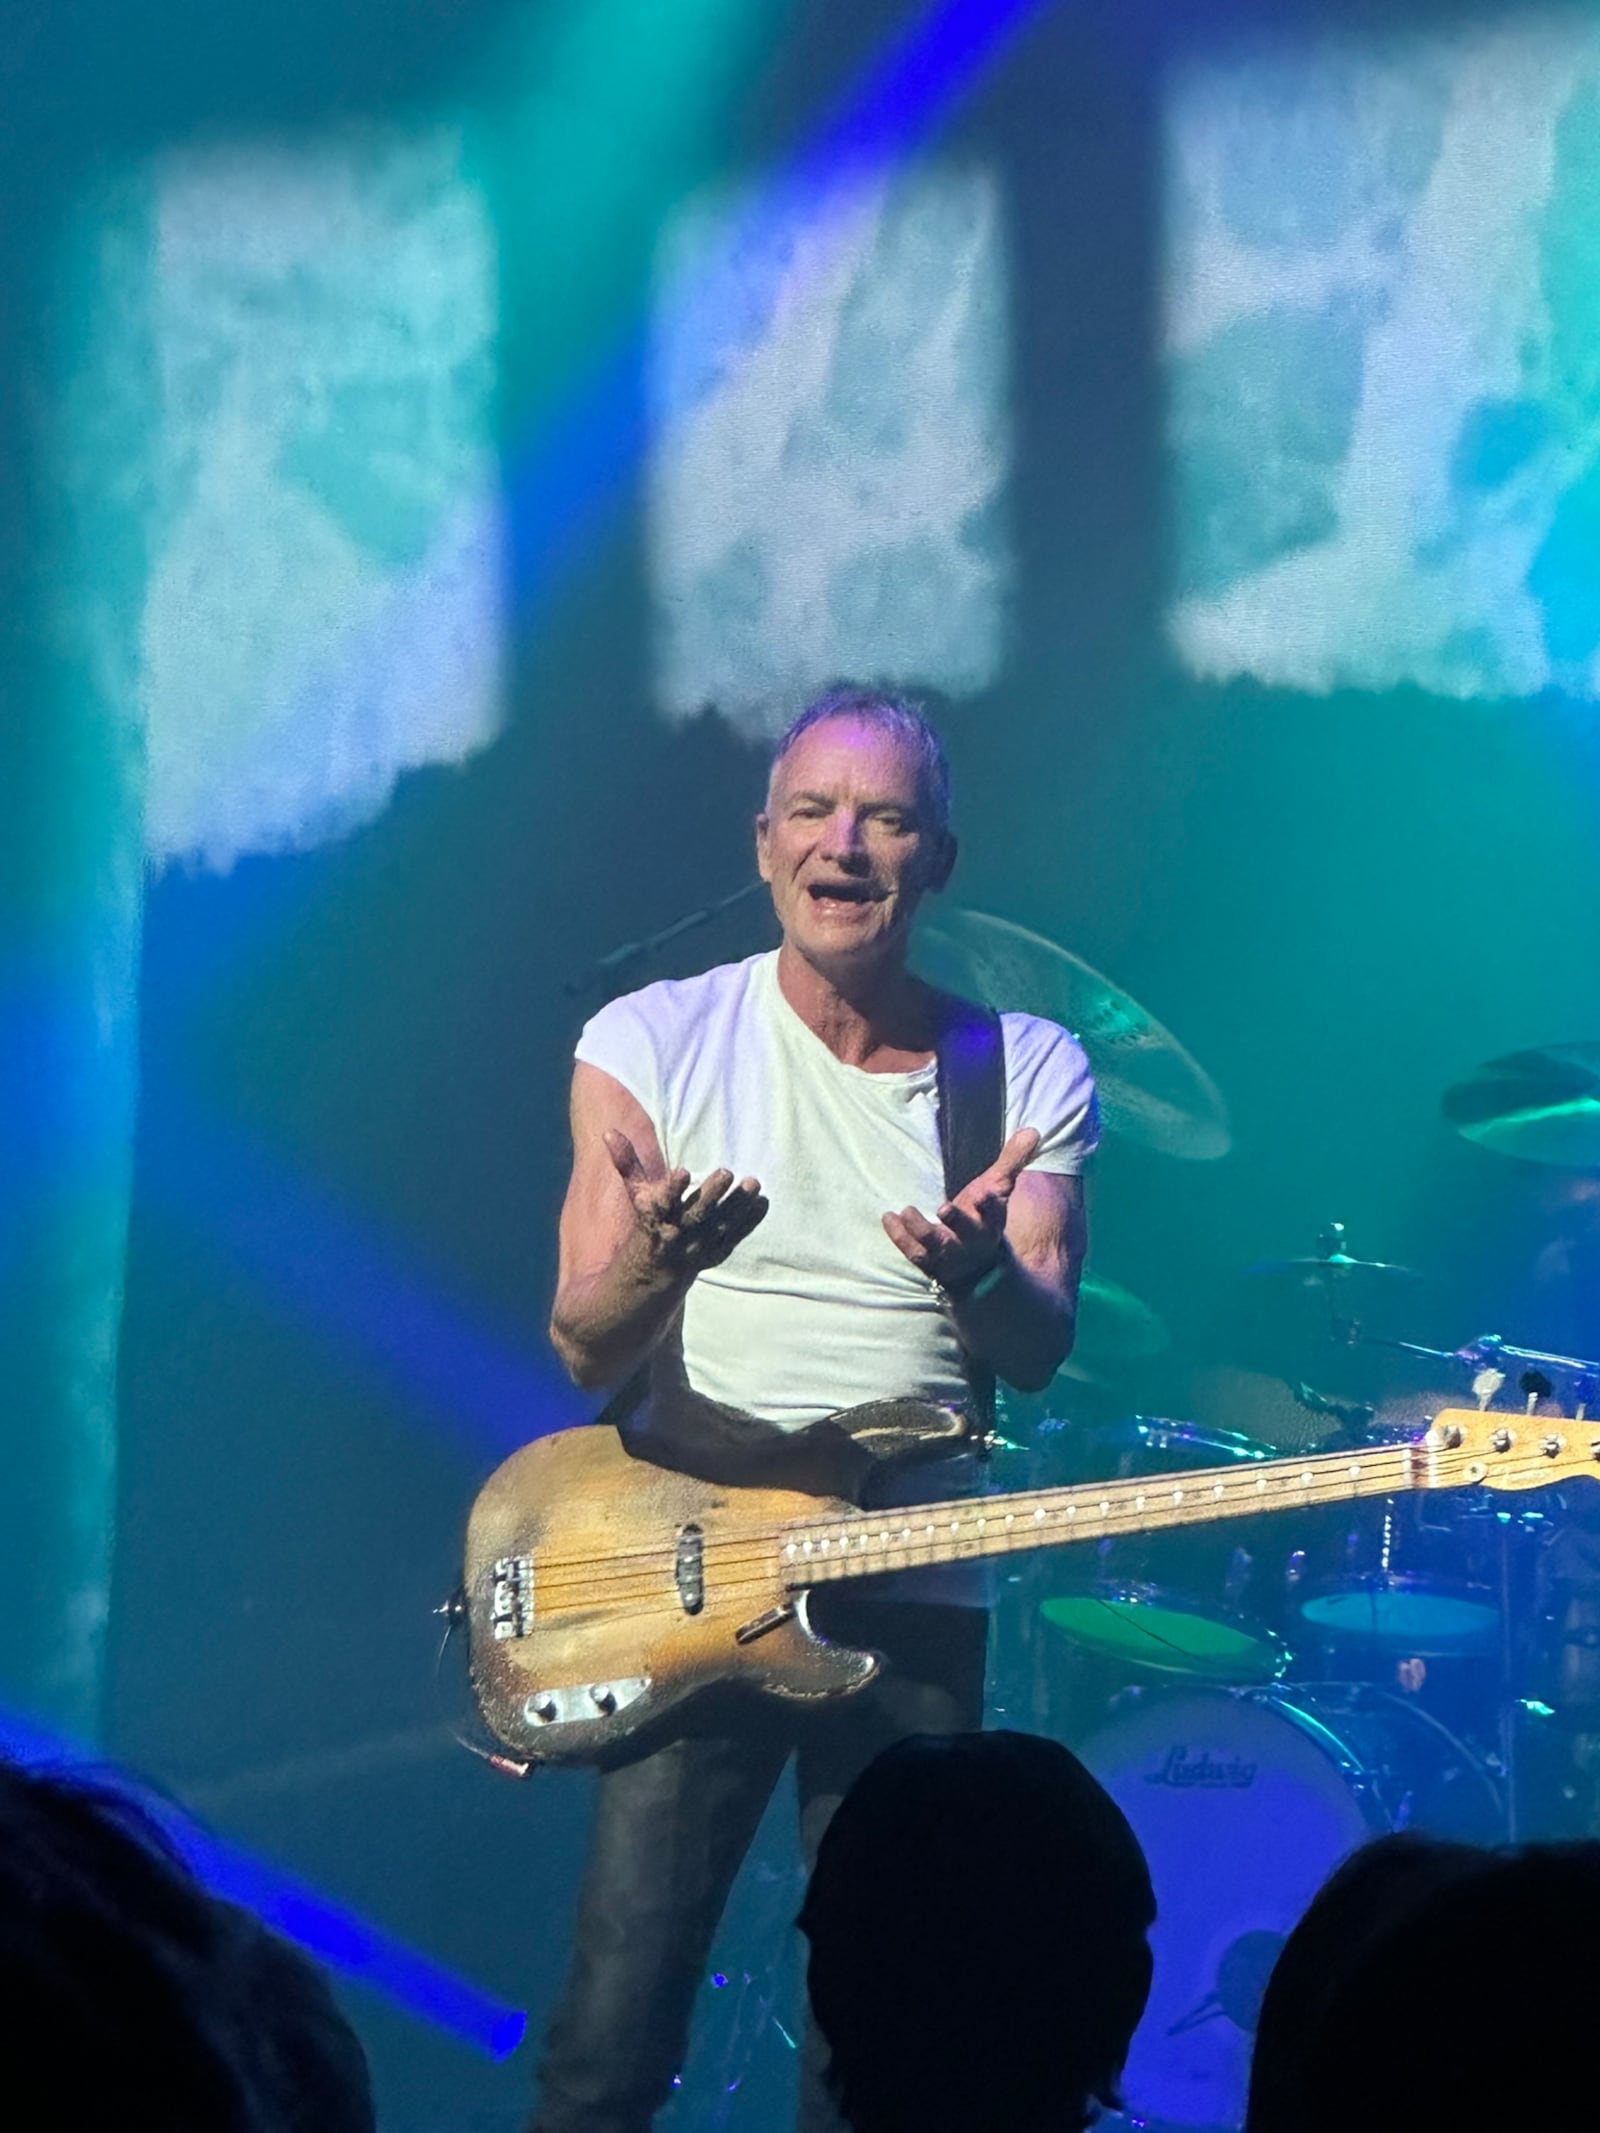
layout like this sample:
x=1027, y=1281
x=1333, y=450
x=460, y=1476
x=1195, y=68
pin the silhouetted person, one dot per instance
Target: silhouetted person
x=1472, y=2007
x=131, y=1998
x=979, y=1917
x=1358, y=1903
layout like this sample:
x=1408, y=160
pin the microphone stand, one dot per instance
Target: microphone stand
x=619, y=959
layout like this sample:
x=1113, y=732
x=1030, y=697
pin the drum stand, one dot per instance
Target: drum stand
x=1572, y=1379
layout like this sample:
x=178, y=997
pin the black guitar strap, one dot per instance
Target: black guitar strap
x=972, y=1129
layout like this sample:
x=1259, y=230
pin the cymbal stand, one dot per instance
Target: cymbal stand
x=1491, y=1361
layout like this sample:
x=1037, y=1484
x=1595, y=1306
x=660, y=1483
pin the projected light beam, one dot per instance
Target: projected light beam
x=293, y=1241
x=1385, y=401
x=593, y=441
x=340, y=1278
x=334, y=1935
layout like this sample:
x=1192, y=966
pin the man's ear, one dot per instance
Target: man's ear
x=763, y=861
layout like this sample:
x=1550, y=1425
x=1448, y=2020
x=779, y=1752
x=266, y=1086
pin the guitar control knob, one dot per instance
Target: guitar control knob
x=603, y=1698
x=542, y=1708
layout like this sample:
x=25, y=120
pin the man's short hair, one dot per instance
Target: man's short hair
x=897, y=715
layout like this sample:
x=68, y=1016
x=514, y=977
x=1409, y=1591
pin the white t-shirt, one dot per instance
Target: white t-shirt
x=816, y=1309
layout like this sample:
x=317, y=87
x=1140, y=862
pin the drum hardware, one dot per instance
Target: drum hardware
x=1335, y=1274
x=1492, y=1360
x=1455, y=1605
x=1353, y=1417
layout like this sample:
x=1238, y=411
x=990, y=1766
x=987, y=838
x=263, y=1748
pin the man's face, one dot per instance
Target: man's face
x=849, y=845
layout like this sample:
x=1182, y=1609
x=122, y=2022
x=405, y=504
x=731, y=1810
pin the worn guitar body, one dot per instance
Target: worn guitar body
x=603, y=1593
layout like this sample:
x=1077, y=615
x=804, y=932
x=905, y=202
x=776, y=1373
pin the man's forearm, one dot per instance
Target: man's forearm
x=1020, y=1324
x=606, y=1322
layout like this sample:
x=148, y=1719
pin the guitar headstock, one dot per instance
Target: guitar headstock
x=1497, y=1450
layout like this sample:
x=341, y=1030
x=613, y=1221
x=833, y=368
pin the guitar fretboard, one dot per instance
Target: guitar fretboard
x=863, y=1543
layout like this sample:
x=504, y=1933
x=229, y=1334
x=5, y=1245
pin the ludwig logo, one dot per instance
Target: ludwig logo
x=1202, y=1772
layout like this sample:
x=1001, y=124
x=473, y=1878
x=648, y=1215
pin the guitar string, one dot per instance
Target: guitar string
x=638, y=1606
x=755, y=1545
x=592, y=1582
x=999, y=1506
x=663, y=1604
x=1398, y=1458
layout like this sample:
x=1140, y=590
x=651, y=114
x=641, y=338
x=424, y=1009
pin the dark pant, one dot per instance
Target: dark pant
x=671, y=1830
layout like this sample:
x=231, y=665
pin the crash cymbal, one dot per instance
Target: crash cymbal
x=1114, y=1326
x=1542, y=1105
x=1151, y=1090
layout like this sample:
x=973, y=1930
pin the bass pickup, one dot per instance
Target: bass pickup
x=511, y=1597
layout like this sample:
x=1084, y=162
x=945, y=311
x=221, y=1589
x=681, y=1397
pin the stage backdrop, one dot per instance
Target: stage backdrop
x=446, y=445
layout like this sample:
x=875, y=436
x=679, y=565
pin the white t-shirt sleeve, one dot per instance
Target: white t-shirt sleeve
x=1049, y=1087
x=620, y=1041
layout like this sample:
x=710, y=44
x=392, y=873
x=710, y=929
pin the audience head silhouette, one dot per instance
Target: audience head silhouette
x=1352, y=1910
x=129, y=1996
x=1459, y=1997
x=978, y=1918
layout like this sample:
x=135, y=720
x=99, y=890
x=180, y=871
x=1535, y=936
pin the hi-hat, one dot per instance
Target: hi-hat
x=1330, y=1267
x=1151, y=1090
x=1542, y=1105
x=1314, y=1271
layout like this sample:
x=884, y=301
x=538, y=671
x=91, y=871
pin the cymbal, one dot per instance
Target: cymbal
x=1114, y=1326
x=1314, y=1269
x=1151, y=1090
x=1542, y=1105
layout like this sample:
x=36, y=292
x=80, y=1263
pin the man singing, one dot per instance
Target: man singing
x=759, y=1210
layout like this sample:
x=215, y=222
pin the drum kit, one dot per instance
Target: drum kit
x=1262, y=1697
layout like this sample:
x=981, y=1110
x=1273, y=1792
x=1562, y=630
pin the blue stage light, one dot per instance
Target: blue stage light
x=335, y=1936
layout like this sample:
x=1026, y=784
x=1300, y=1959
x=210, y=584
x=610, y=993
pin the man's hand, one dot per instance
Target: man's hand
x=678, y=1230
x=967, y=1236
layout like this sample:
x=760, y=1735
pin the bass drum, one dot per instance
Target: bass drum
x=1244, y=1801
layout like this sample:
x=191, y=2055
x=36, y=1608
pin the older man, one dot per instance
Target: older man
x=759, y=1212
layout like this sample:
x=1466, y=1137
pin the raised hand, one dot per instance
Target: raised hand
x=967, y=1235
x=684, y=1231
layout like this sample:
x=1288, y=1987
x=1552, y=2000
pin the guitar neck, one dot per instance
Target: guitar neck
x=863, y=1543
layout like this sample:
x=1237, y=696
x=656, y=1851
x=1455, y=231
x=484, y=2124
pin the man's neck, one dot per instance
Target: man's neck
x=881, y=1021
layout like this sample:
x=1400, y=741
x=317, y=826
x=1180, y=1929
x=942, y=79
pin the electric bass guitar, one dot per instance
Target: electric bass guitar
x=602, y=1593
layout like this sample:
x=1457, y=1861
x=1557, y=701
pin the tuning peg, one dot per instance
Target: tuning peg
x=1535, y=1386
x=1485, y=1385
